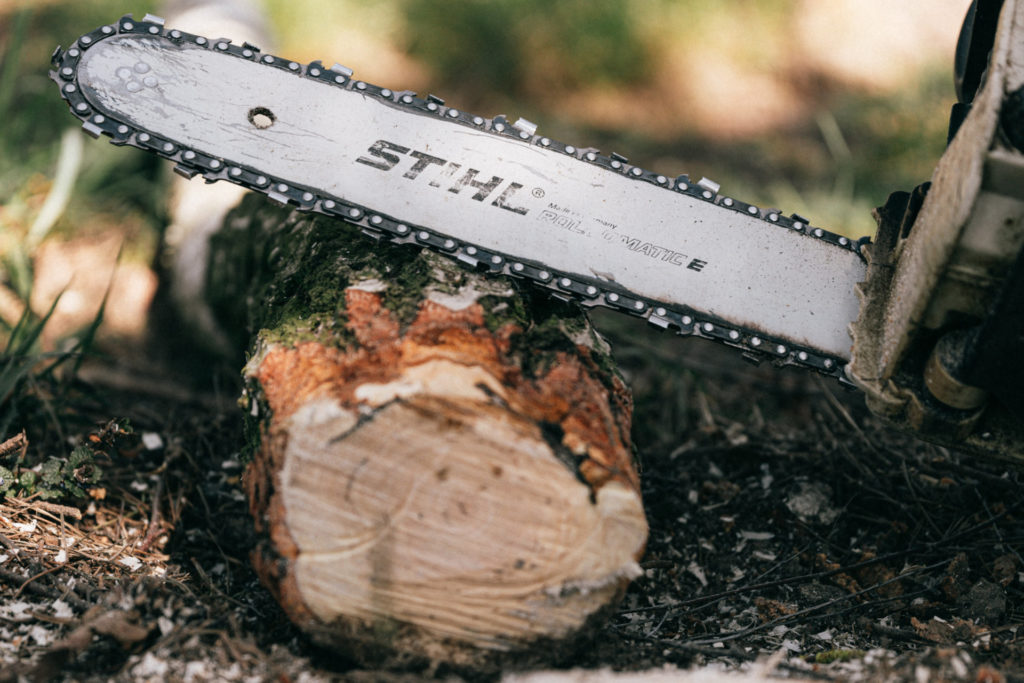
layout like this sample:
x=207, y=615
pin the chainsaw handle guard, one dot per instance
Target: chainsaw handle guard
x=938, y=339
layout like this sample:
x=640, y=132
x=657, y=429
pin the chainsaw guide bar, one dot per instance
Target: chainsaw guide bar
x=494, y=195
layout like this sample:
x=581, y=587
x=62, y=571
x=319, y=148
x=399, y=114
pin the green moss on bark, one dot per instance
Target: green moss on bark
x=282, y=275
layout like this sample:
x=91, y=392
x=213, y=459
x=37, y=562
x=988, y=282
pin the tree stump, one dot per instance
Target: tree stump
x=441, y=466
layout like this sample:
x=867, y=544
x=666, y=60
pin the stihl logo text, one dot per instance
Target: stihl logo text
x=445, y=174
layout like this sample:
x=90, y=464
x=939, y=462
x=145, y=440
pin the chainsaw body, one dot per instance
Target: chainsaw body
x=939, y=342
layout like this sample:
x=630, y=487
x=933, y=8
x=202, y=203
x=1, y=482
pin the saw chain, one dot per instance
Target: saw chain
x=778, y=344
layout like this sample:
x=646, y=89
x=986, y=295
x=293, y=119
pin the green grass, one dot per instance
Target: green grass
x=34, y=379
x=31, y=386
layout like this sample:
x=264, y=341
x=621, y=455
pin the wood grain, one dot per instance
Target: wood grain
x=441, y=463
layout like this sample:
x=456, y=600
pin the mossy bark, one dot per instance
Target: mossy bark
x=441, y=465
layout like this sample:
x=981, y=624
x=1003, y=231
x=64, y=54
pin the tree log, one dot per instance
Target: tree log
x=440, y=461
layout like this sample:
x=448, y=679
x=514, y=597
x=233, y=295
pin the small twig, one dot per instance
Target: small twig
x=212, y=586
x=889, y=631
x=814, y=608
x=18, y=442
x=32, y=578
x=230, y=646
x=995, y=528
x=55, y=508
x=883, y=495
x=781, y=563
x=902, y=597
x=707, y=419
x=863, y=471
x=689, y=647
x=1012, y=484
x=16, y=579
x=917, y=499
x=844, y=413
x=247, y=647
x=155, y=518
x=658, y=564
x=715, y=597
x=660, y=623
x=979, y=526
x=50, y=619
x=12, y=620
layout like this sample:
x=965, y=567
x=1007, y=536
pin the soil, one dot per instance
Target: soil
x=792, y=536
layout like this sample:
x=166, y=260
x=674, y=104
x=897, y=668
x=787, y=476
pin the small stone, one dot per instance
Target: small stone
x=811, y=502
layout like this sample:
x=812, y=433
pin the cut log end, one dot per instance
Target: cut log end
x=441, y=504
x=443, y=472
x=450, y=516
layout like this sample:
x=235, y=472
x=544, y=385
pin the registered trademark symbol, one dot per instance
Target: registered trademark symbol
x=538, y=192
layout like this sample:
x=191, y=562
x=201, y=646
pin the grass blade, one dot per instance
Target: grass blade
x=68, y=163
x=11, y=58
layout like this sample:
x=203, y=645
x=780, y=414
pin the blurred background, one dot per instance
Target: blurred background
x=821, y=108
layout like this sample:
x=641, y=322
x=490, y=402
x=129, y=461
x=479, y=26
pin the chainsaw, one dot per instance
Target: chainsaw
x=927, y=319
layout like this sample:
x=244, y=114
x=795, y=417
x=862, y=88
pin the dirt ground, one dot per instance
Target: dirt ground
x=791, y=536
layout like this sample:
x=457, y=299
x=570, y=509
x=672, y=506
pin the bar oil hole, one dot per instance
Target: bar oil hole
x=261, y=117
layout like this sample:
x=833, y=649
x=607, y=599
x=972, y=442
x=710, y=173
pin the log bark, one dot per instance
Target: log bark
x=440, y=461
